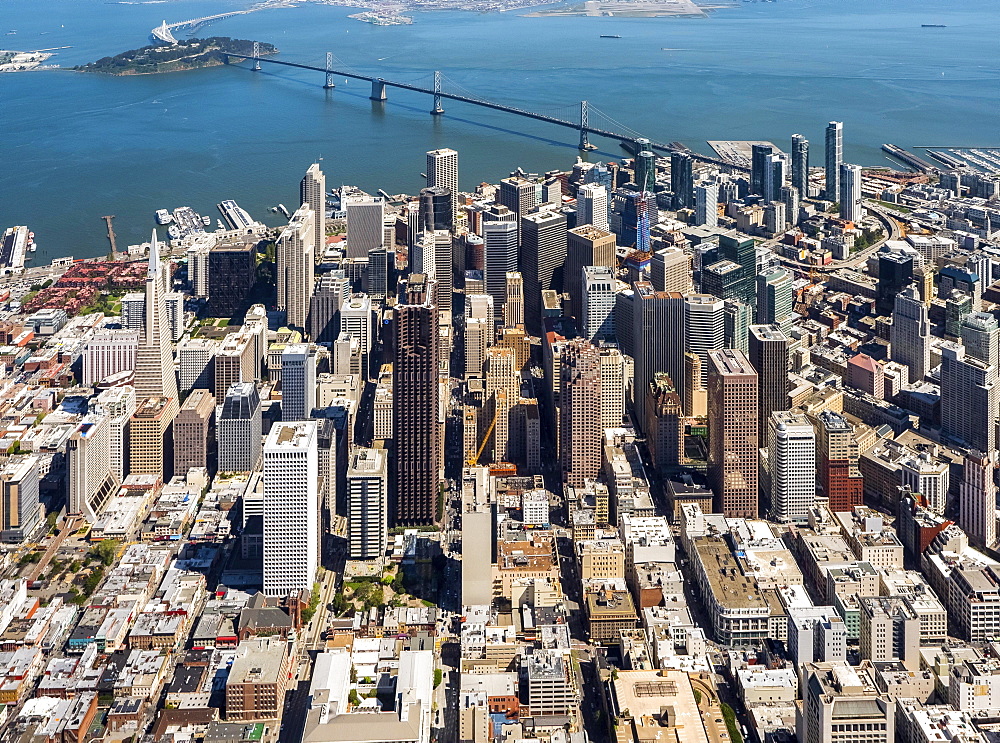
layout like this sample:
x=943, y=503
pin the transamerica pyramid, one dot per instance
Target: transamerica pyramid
x=154, y=360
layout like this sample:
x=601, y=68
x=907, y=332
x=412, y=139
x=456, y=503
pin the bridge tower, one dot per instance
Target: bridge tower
x=329, y=72
x=378, y=89
x=256, y=56
x=438, y=108
x=584, y=125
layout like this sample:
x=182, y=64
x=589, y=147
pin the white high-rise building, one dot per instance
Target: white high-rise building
x=296, y=266
x=911, y=334
x=195, y=362
x=479, y=332
x=133, y=310
x=312, y=191
x=792, y=460
x=592, y=205
x=978, y=499
x=91, y=480
x=108, y=352
x=704, y=328
x=442, y=171
x=365, y=225
x=614, y=380
x=291, y=508
x=356, y=321
x=706, y=203
x=598, y=287
x=367, y=504
x=174, y=304
x=120, y=404
x=921, y=473
x=197, y=262
x=851, y=204
x=298, y=381
x=239, y=428
x=834, y=158
x=500, y=243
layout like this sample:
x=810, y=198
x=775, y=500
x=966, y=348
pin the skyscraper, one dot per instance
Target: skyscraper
x=834, y=158
x=586, y=245
x=970, y=395
x=356, y=321
x=232, y=272
x=519, y=195
x=324, y=306
x=792, y=462
x=743, y=252
x=239, y=429
x=442, y=170
x=837, y=698
x=312, y=191
x=291, y=508
x=978, y=499
x=775, y=299
x=645, y=171
x=800, y=165
x=663, y=422
x=513, y=308
x=851, y=204
x=670, y=270
x=194, y=433
x=499, y=258
x=706, y=203
x=658, y=335
x=295, y=265
x=981, y=337
x=502, y=387
x=154, y=360
x=368, y=503
x=682, y=179
x=592, y=206
x=298, y=381
x=542, y=256
x=417, y=427
x=365, y=225
x=911, y=334
x=580, y=427
x=20, y=511
x=436, y=208
x=732, y=433
x=837, y=454
x=704, y=328
x=768, y=353
x=758, y=167
x=895, y=271
x=598, y=290
x=774, y=177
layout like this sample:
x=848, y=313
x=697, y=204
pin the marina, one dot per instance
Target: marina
x=186, y=222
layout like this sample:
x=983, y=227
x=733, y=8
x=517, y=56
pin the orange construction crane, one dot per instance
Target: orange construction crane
x=473, y=459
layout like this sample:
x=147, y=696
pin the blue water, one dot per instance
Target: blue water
x=74, y=147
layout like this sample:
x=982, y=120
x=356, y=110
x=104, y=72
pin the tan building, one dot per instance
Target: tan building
x=151, y=436
x=733, y=454
x=586, y=245
x=258, y=679
x=609, y=612
x=656, y=705
x=235, y=362
x=580, y=427
x=295, y=258
x=194, y=433
x=601, y=559
x=519, y=560
x=663, y=422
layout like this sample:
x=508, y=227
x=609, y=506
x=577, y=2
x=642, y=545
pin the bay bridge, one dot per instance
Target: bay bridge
x=624, y=134
x=165, y=31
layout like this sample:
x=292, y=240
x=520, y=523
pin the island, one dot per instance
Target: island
x=184, y=55
x=12, y=61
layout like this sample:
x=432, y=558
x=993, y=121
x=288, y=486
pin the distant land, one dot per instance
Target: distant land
x=634, y=9
x=191, y=54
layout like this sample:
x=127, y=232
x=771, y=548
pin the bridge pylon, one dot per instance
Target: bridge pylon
x=328, y=85
x=585, y=144
x=256, y=56
x=378, y=89
x=438, y=108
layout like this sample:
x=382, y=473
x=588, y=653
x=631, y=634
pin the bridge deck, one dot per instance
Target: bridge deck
x=660, y=146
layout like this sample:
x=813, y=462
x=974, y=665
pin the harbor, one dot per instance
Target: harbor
x=17, y=243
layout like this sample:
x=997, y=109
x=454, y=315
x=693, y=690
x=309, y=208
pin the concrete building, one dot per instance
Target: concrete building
x=513, y=308
x=732, y=421
x=838, y=697
x=970, y=396
x=658, y=338
x=706, y=203
x=670, y=270
x=978, y=499
x=586, y=245
x=295, y=251
x=194, y=433
x=91, y=477
x=291, y=508
x=331, y=291
x=663, y=422
x=500, y=255
x=792, y=464
x=239, y=429
x=837, y=454
x=816, y=634
x=108, y=352
x=20, y=511
x=442, y=171
x=580, y=426
x=151, y=437
x=911, y=334
x=866, y=374
x=542, y=256
x=767, y=348
x=834, y=159
x=551, y=687
x=890, y=631
x=851, y=203
x=196, y=363
x=258, y=678
x=592, y=206
x=367, y=504
x=922, y=473
x=298, y=381
x=365, y=225
x=598, y=293
x=312, y=191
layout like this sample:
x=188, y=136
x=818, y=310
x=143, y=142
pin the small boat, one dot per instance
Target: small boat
x=163, y=217
x=206, y=220
x=932, y=25
x=173, y=232
x=284, y=210
x=610, y=36
x=219, y=223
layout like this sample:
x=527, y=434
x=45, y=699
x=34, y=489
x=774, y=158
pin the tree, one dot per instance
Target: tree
x=438, y=677
x=106, y=551
x=353, y=698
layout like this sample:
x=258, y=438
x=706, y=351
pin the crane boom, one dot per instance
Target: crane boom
x=474, y=459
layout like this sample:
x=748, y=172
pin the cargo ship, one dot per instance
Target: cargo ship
x=610, y=36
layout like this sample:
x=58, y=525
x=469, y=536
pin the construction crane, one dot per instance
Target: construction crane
x=111, y=233
x=473, y=459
